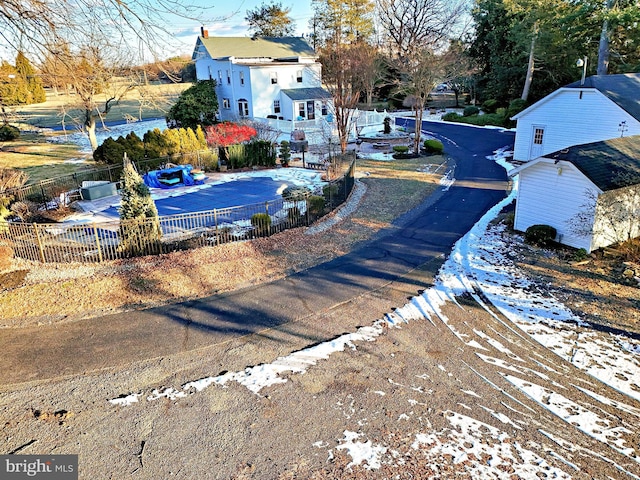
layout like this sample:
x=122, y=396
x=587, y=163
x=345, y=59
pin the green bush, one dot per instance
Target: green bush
x=387, y=125
x=470, y=111
x=329, y=192
x=516, y=106
x=580, y=255
x=490, y=106
x=316, y=205
x=261, y=222
x=540, y=235
x=296, y=193
x=8, y=133
x=400, y=148
x=294, y=215
x=285, y=153
x=433, y=146
x=451, y=117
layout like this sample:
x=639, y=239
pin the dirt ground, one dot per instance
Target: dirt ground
x=405, y=395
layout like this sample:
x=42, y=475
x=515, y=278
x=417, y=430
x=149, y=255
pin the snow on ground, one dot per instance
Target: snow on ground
x=479, y=265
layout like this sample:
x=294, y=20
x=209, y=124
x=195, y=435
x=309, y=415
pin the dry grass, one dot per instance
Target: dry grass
x=67, y=292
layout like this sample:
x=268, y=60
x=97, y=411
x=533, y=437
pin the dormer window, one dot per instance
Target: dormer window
x=274, y=78
x=299, y=76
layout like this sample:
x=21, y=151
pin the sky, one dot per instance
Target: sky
x=481, y=265
x=226, y=19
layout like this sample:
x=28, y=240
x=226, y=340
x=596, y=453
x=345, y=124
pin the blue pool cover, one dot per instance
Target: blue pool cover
x=245, y=191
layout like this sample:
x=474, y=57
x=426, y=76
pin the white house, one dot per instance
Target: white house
x=589, y=193
x=263, y=77
x=604, y=107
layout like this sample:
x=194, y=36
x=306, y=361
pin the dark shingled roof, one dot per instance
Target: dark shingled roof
x=312, y=93
x=609, y=164
x=623, y=89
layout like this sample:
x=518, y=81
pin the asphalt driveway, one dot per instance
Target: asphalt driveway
x=421, y=238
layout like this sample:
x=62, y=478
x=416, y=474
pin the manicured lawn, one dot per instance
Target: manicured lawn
x=41, y=159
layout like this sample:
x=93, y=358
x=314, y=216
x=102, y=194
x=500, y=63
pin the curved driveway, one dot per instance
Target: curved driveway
x=422, y=237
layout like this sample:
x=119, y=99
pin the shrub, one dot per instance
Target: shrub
x=329, y=192
x=6, y=254
x=387, y=125
x=579, y=255
x=400, y=148
x=261, y=222
x=315, y=204
x=470, y=111
x=296, y=193
x=294, y=215
x=516, y=106
x=285, y=153
x=433, y=146
x=450, y=117
x=540, y=235
x=489, y=106
x=8, y=133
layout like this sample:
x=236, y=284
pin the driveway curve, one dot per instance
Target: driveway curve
x=289, y=306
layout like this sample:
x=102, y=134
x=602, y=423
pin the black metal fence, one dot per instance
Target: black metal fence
x=46, y=193
x=97, y=242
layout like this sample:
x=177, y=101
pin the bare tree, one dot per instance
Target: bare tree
x=341, y=67
x=611, y=217
x=409, y=25
x=421, y=71
x=38, y=26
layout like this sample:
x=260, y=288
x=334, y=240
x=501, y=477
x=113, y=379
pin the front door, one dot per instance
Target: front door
x=537, y=142
x=311, y=110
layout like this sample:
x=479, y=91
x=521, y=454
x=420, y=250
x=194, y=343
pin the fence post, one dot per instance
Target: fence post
x=215, y=222
x=39, y=242
x=95, y=232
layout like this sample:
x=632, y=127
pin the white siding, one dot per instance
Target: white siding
x=570, y=120
x=552, y=194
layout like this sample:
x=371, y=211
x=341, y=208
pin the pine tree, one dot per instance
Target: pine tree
x=140, y=230
x=33, y=84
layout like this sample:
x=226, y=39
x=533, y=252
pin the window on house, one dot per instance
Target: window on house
x=220, y=77
x=274, y=78
x=301, y=109
x=276, y=106
x=243, y=108
x=538, y=133
x=210, y=73
x=299, y=76
x=325, y=109
x=241, y=78
x=226, y=104
x=228, y=78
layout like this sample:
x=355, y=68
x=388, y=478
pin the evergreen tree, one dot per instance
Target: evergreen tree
x=140, y=230
x=270, y=21
x=32, y=82
x=197, y=105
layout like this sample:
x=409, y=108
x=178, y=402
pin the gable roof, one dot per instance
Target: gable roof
x=622, y=89
x=312, y=93
x=256, y=47
x=609, y=164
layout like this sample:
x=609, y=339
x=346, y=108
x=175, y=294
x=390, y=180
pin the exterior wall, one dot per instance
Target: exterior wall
x=570, y=120
x=617, y=216
x=552, y=194
x=257, y=89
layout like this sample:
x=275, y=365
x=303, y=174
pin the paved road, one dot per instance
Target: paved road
x=422, y=238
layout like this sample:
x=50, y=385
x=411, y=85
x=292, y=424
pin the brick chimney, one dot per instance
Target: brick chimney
x=204, y=33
